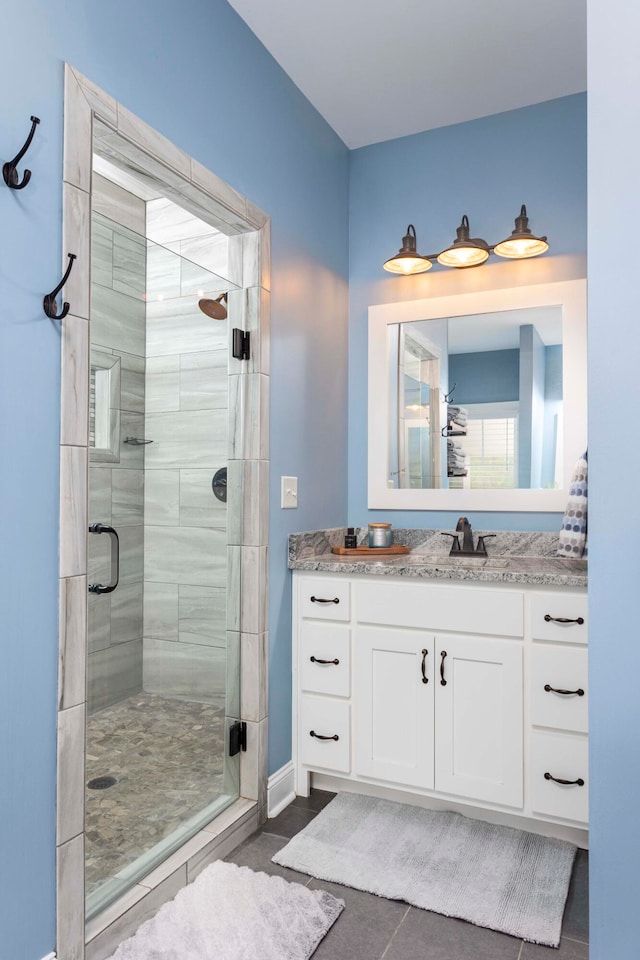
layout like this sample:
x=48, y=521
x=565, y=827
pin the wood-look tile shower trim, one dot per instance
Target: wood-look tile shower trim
x=248, y=229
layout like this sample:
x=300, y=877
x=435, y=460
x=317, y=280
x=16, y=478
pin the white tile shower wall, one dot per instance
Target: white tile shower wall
x=185, y=555
x=197, y=242
x=70, y=912
x=116, y=488
x=117, y=204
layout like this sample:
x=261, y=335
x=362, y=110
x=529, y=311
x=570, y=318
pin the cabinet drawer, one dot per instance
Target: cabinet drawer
x=326, y=718
x=558, y=607
x=561, y=668
x=324, y=599
x=328, y=642
x=565, y=758
x=459, y=609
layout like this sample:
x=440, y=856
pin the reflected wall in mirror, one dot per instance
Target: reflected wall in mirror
x=484, y=399
x=479, y=401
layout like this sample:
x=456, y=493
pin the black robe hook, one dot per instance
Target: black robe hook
x=448, y=397
x=9, y=170
x=49, y=302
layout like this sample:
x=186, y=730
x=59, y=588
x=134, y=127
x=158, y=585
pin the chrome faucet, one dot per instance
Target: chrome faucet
x=464, y=527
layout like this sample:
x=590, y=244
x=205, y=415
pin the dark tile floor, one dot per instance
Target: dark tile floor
x=372, y=928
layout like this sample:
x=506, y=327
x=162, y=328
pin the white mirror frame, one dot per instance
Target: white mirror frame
x=571, y=296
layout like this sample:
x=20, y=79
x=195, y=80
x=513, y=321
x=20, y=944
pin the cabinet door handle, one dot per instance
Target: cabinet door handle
x=315, y=660
x=566, y=693
x=549, y=619
x=319, y=736
x=321, y=600
x=425, y=678
x=579, y=782
x=443, y=654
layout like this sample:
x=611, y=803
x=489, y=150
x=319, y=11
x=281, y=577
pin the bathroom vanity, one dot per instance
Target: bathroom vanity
x=457, y=683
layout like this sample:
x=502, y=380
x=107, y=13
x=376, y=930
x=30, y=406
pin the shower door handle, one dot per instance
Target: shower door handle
x=115, y=558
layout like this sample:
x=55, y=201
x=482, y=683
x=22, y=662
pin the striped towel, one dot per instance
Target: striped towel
x=573, y=533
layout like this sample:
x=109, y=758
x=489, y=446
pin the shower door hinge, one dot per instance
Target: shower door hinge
x=241, y=344
x=237, y=737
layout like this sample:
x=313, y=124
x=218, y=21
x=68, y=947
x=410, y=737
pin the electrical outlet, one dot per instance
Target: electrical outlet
x=288, y=492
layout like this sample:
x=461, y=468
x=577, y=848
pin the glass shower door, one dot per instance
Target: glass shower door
x=160, y=701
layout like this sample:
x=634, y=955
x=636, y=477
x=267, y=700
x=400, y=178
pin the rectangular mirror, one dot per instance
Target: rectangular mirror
x=478, y=401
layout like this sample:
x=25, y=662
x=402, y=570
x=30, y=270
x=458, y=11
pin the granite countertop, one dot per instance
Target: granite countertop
x=514, y=557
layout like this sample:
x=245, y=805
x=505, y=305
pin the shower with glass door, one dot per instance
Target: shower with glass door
x=163, y=670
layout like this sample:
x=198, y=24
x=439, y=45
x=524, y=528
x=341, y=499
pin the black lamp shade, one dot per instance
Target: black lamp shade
x=407, y=261
x=522, y=243
x=465, y=251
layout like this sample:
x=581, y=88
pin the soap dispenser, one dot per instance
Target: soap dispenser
x=350, y=540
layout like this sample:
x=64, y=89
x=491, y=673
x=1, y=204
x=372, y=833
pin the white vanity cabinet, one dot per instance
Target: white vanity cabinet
x=457, y=691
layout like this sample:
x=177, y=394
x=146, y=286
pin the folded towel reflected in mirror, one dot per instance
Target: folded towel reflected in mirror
x=573, y=533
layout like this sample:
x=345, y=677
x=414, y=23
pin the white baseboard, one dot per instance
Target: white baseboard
x=280, y=790
x=50, y=956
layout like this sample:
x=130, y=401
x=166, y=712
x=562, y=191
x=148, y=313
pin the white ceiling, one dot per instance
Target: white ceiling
x=501, y=331
x=377, y=70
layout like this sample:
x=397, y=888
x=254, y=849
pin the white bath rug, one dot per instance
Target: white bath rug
x=493, y=876
x=233, y=913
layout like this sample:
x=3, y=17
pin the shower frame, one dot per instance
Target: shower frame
x=248, y=229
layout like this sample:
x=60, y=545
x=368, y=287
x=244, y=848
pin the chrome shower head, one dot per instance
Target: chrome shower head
x=214, y=308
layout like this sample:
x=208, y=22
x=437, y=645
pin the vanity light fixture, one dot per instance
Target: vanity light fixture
x=522, y=243
x=407, y=261
x=467, y=251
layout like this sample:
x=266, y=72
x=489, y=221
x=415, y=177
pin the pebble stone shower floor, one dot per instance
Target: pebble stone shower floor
x=167, y=757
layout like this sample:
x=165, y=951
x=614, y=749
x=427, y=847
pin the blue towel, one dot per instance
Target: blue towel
x=573, y=533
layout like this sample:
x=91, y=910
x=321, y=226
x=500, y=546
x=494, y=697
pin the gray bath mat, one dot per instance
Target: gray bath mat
x=496, y=877
x=232, y=913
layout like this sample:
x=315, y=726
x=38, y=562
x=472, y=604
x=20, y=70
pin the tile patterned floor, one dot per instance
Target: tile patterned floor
x=167, y=757
x=372, y=928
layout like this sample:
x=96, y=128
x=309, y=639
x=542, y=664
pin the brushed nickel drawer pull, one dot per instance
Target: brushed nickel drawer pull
x=579, y=781
x=565, y=693
x=319, y=736
x=315, y=660
x=549, y=619
x=321, y=600
x=425, y=678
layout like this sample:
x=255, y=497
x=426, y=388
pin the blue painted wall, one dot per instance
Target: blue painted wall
x=553, y=372
x=486, y=168
x=200, y=77
x=614, y=341
x=488, y=377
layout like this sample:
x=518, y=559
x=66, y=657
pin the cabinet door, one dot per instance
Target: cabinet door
x=394, y=706
x=478, y=718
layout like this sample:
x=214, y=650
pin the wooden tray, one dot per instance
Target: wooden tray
x=396, y=549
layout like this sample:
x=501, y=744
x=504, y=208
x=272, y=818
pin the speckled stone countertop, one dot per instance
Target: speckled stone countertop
x=514, y=557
